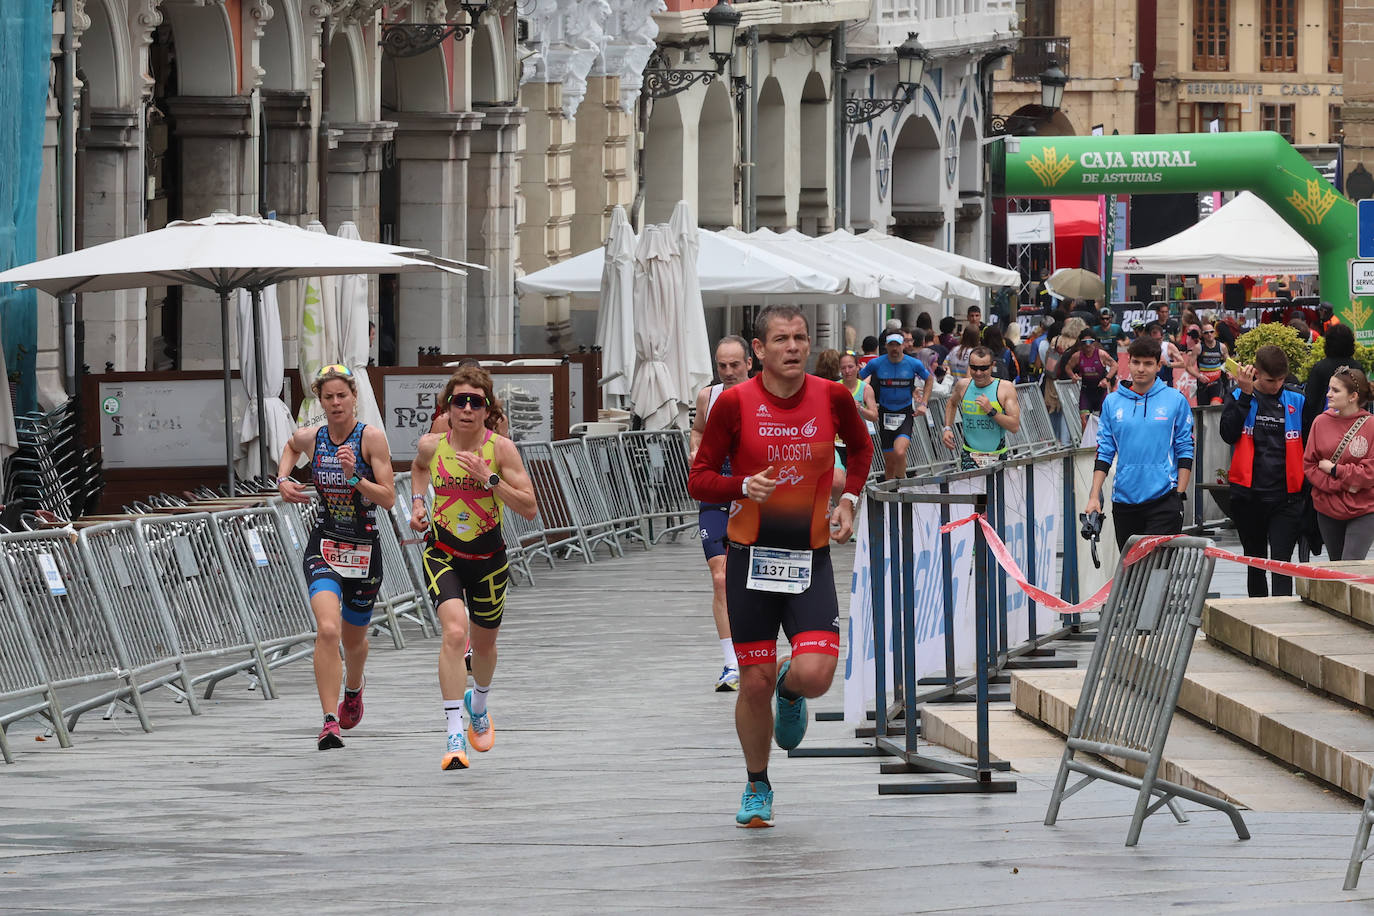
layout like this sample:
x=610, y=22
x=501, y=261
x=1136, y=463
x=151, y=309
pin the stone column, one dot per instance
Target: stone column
x=601, y=162
x=493, y=172
x=49, y=365
x=546, y=232
x=218, y=171
x=112, y=198
x=432, y=152
x=355, y=169
x=354, y=192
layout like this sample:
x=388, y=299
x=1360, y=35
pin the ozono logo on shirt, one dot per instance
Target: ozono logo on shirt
x=779, y=430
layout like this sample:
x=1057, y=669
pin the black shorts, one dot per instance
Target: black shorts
x=810, y=620
x=1161, y=515
x=480, y=583
x=889, y=437
x=712, y=521
x=356, y=596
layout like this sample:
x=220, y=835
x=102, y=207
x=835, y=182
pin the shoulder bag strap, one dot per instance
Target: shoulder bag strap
x=1349, y=434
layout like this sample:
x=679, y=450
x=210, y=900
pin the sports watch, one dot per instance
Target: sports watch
x=492, y=481
x=354, y=480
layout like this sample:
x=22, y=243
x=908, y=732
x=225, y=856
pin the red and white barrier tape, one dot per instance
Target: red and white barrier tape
x=1138, y=551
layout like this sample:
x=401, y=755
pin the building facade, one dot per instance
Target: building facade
x=295, y=109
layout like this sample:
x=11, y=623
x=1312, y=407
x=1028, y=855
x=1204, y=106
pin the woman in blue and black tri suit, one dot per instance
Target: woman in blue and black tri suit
x=350, y=465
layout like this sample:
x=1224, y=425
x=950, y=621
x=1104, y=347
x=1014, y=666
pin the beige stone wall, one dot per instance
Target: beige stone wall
x=1358, y=110
x=1311, y=90
x=1101, y=89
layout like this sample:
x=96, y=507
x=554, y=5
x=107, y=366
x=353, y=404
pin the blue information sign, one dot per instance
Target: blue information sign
x=1364, y=227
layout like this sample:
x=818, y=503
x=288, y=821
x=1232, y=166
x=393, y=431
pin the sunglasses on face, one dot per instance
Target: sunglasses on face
x=983, y=368
x=468, y=400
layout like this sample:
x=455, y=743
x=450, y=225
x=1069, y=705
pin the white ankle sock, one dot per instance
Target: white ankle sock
x=727, y=648
x=454, y=710
x=479, y=698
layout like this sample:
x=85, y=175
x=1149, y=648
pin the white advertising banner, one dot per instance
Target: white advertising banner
x=929, y=630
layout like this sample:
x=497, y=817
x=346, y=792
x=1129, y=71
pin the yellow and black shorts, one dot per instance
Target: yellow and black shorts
x=480, y=582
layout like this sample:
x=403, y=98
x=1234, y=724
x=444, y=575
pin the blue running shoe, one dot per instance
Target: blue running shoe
x=756, y=807
x=456, y=757
x=481, y=733
x=789, y=726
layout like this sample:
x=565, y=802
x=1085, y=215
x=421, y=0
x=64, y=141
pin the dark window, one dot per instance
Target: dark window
x=1279, y=36
x=1278, y=118
x=1334, y=20
x=1336, y=127
x=1197, y=117
x=1212, y=34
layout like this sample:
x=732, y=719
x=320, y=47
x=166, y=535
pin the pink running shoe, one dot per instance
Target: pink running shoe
x=329, y=735
x=351, y=709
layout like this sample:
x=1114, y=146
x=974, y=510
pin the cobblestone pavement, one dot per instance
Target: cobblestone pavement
x=611, y=788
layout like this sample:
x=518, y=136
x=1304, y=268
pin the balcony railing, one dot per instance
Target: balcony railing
x=1033, y=55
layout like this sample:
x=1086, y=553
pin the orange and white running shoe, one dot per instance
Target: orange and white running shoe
x=456, y=757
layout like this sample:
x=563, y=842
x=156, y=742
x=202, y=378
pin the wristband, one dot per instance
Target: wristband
x=949, y=429
x=744, y=487
x=853, y=499
x=280, y=479
x=414, y=498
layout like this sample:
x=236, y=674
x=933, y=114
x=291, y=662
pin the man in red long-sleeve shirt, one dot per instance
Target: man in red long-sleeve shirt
x=778, y=431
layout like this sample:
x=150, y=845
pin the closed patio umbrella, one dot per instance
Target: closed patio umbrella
x=615, y=328
x=658, y=287
x=693, y=351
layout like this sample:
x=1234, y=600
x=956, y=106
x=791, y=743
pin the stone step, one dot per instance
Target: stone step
x=1318, y=648
x=1354, y=600
x=1195, y=756
x=1291, y=723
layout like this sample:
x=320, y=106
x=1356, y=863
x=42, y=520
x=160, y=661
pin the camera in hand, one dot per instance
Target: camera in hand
x=1091, y=530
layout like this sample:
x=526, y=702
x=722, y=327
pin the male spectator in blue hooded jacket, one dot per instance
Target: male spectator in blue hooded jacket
x=1147, y=429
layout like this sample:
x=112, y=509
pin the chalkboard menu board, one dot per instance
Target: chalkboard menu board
x=535, y=399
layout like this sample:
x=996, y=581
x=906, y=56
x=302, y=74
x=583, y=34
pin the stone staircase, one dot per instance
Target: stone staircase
x=1279, y=698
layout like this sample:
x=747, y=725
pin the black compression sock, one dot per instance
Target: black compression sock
x=352, y=693
x=761, y=776
x=787, y=693
x=330, y=717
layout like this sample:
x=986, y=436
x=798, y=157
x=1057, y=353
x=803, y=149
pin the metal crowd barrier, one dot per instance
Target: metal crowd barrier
x=1362, y=850
x=269, y=584
x=563, y=528
x=659, y=466
x=609, y=467
x=125, y=591
x=1068, y=391
x=1145, y=636
x=578, y=484
x=83, y=654
x=185, y=571
x=23, y=677
x=412, y=549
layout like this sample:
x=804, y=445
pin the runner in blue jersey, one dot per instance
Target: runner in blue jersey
x=894, y=379
x=350, y=466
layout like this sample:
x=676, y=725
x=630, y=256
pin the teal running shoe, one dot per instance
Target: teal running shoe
x=789, y=726
x=481, y=733
x=756, y=807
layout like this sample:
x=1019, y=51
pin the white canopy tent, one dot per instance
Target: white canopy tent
x=869, y=275
x=728, y=271
x=974, y=271
x=1244, y=237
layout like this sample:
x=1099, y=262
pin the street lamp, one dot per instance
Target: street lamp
x=1052, y=83
x=911, y=67
x=662, y=81
x=407, y=39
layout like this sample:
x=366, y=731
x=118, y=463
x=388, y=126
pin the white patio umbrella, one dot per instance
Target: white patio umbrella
x=319, y=335
x=354, y=333
x=947, y=283
x=977, y=272
x=658, y=287
x=615, y=329
x=222, y=253
x=728, y=270
x=692, y=355
x=266, y=425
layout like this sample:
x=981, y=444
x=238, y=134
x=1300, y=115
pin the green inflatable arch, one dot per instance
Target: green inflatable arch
x=1260, y=161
